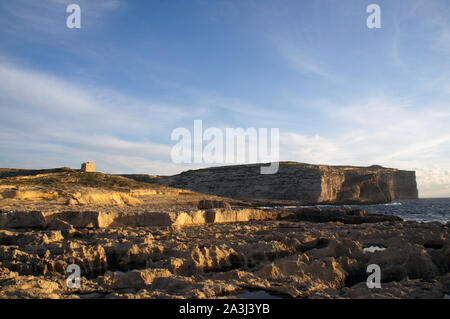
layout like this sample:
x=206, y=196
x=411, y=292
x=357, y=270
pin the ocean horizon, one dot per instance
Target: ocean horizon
x=422, y=210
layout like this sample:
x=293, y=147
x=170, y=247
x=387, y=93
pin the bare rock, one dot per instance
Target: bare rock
x=59, y=224
x=214, y=258
x=300, y=182
x=18, y=219
x=207, y=204
x=413, y=289
x=139, y=279
x=29, y=287
x=102, y=198
x=86, y=219
x=196, y=217
x=441, y=258
x=420, y=265
x=345, y=216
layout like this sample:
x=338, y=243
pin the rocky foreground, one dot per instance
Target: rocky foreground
x=166, y=243
x=287, y=258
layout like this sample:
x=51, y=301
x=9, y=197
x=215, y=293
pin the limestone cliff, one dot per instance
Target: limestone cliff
x=302, y=182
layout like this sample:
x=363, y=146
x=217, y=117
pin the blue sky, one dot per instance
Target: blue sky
x=113, y=91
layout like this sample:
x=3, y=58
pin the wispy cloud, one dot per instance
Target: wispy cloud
x=49, y=16
x=301, y=61
x=379, y=130
x=433, y=181
x=45, y=111
x=309, y=149
x=315, y=72
x=298, y=57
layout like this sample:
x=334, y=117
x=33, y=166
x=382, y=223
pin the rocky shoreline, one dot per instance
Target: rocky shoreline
x=290, y=255
x=132, y=239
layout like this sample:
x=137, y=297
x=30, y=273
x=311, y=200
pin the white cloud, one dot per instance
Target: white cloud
x=381, y=130
x=49, y=122
x=433, y=182
x=300, y=61
x=29, y=92
x=309, y=149
x=43, y=115
x=299, y=57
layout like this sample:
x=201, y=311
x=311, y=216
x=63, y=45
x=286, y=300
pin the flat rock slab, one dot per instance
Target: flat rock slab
x=346, y=216
x=96, y=219
x=86, y=219
x=99, y=219
x=198, y=217
x=18, y=219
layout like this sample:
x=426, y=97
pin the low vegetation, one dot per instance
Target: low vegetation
x=68, y=177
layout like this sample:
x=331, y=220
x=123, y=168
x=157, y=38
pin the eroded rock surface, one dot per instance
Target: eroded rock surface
x=291, y=258
x=301, y=182
x=131, y=240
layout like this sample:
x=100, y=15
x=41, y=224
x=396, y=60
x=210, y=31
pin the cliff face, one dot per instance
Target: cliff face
x=301, y=182
x=371, y=184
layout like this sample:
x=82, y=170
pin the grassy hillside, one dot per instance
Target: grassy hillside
x=66, y=176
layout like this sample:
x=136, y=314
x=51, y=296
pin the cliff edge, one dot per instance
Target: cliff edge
x=300, y=182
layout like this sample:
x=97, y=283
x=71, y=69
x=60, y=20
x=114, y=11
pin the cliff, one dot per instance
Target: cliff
x=301, y=182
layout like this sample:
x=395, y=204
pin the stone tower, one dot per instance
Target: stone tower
x=88, y=167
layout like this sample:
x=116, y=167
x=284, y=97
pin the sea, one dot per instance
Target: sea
x=423, y=210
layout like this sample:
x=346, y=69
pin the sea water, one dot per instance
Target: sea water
x=423, y=210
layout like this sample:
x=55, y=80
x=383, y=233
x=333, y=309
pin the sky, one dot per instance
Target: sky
x=113, y=91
